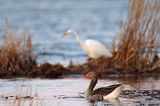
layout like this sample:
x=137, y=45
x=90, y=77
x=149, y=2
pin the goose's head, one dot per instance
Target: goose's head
x=92, y=75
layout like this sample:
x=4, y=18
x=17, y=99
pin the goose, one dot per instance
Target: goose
x=105, y=93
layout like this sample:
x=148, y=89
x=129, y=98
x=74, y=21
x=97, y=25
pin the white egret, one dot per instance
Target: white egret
x=93, y=48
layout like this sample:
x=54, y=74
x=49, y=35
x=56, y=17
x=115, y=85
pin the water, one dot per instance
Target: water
x=46, y=20
x=70, y=91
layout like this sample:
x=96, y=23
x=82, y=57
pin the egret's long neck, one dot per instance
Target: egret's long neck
x=79, y=41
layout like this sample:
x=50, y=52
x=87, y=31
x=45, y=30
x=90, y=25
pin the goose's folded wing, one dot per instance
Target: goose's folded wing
x=105, y=90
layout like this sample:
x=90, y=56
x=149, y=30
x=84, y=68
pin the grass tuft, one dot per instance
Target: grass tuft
x=15, y=53
x=136, y=46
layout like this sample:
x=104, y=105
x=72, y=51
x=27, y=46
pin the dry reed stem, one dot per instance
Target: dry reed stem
x=137, y=38
x=24, y=96
x=16, y=52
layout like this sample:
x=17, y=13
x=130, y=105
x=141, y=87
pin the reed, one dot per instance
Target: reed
x=15, y=53
x=136, y=45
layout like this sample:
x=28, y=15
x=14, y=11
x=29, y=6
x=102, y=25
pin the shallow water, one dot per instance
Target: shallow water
x=46, y=20
x=70, y=91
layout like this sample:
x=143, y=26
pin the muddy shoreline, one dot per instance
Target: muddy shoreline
x=48, y=70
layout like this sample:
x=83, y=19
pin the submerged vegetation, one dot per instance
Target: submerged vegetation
x=23, y=96
x=134, y=49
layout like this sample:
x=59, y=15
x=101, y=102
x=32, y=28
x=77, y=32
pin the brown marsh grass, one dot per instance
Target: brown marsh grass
x=17, y=60
x=135, y=48
x=15, y=53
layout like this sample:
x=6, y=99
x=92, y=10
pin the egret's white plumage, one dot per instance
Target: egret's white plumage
x=97, y=49
x=93, y=48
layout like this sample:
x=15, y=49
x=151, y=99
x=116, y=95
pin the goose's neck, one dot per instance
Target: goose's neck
x=91, y=87
x=92, y=84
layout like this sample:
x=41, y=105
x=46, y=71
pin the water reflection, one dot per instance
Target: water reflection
x=114, y=102
x=142, y=82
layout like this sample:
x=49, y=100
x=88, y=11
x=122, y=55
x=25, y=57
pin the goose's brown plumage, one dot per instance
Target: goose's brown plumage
x=105, y=90
x=99, y=94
